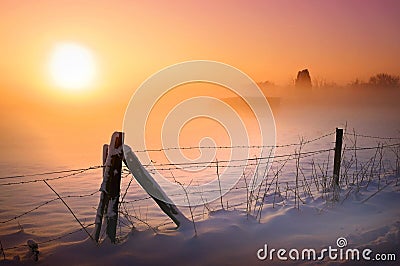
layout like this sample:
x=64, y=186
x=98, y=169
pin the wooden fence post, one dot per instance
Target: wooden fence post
x=105, y=154
x=101, y=209
x=153, y=188
x=110, y=187
x=338, y=155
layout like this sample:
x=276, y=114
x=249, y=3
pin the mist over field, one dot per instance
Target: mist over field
x=300, y=115
x=297, y=112
x=371, y=109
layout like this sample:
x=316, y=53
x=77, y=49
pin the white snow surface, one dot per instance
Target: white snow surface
x=231, y=237
x=367, y=216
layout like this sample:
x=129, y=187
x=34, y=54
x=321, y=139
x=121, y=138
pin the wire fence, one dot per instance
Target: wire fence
x=293, y=178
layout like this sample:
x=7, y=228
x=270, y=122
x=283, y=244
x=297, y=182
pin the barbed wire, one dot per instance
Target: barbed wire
x=146, y=197
x=371, y=137
x=256, y=161
x=53, y=172
x=237, y=146
x=45, y=203
x=206, y=147
x=188, y=165
x=374, y=147
x=51, y=178
x=278, y=187
x=263, y=185
x=213, y=164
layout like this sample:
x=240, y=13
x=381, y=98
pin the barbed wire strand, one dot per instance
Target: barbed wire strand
x=45, y=203
x=235, y=146
x=208, y=164
x=53, y=172
x=371, y=137
x=80, y=170
x=46, y=179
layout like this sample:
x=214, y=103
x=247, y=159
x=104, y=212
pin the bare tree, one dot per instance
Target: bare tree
x=384, y=80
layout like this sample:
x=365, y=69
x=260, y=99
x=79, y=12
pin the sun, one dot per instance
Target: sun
x=72, y=66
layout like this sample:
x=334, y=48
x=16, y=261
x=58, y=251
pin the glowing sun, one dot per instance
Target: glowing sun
x=72, y=66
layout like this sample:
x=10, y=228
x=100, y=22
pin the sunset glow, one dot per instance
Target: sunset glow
x=81, y=61
x=72, y=66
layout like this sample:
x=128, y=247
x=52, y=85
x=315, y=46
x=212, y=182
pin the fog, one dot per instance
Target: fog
x=297, y=113
x=368, y=110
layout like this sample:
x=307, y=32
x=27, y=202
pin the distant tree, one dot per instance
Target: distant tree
x=384, y=80
x=303, y=79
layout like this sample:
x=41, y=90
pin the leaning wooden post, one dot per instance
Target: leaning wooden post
x=338, y=155
x=153, y=188
x=110, y=187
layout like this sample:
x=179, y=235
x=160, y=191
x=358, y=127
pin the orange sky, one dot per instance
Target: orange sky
x=269, y=40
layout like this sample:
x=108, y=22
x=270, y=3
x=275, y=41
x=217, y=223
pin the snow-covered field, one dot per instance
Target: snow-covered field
x=281, y=214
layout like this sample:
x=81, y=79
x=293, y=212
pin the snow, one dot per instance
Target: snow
x=366, y=213
x=232, y=237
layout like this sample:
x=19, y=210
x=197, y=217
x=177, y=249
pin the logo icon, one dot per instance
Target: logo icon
x=161, y=151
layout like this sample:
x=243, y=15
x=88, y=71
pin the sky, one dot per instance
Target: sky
x=337, y=41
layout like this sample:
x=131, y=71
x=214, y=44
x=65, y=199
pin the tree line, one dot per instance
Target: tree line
x=381, y=80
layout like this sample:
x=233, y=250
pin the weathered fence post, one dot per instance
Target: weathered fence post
x=103, y=201
x=113, y=156
x=110, y=187
x=152, y=188
x=338, y=156
x=105, y=154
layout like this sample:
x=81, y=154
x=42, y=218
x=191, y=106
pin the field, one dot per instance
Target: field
x=296, y=206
